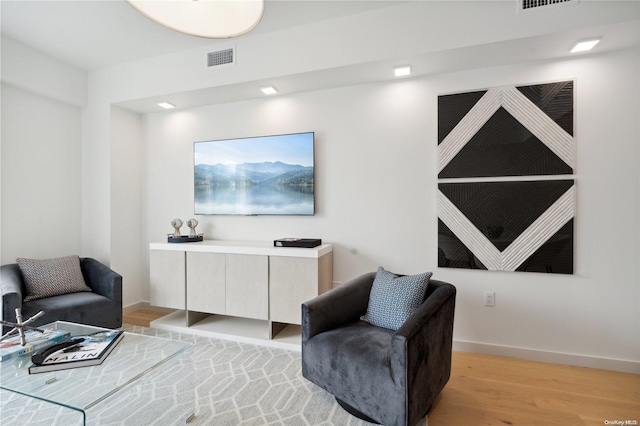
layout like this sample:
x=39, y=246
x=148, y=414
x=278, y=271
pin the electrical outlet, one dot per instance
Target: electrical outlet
x=489, y=298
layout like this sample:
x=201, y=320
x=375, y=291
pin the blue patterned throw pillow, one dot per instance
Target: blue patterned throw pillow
x=394, y=298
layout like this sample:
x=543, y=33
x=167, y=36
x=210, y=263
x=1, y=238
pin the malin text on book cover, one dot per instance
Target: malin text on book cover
x=92, y=350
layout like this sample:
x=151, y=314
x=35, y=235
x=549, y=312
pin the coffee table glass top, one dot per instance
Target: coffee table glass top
x=82, y=388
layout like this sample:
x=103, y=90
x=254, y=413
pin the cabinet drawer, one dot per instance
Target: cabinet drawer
x=167, y=279
x=247, y=286
x=292, y=281
x=206, y=282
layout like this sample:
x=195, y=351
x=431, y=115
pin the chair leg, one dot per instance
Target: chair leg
x=349, y=409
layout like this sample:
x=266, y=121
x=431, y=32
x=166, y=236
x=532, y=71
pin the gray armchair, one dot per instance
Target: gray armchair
x=102, y=307
x=380, y=375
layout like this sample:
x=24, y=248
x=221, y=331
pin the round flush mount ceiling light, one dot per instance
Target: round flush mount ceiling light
x=203, y=18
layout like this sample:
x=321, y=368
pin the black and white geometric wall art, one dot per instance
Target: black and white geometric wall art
x=506, y=191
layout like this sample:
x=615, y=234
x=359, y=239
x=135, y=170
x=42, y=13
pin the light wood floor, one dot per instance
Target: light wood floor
x=491, y=390
x=142, y=317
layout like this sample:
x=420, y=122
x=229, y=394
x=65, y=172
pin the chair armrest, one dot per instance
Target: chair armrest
x=11, y=283
x=101, y=279
x=339, y=306
x=424, y=342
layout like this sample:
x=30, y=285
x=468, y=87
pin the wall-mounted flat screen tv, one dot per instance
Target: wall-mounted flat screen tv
x=268, y=175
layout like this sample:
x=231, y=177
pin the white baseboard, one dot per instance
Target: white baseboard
x=621, y=365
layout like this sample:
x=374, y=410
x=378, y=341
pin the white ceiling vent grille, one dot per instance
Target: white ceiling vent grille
x=533, y=4
x=220, y=57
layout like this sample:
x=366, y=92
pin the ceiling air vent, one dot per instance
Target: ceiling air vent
x=220, y=57
x=533, y=4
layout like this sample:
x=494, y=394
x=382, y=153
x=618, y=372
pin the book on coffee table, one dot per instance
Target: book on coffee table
x=35, y=340
x=79, y=351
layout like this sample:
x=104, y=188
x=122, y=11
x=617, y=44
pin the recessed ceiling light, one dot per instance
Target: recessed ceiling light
x=166, y=105
x=269, y=90
x=402, y=71
x=583, y=46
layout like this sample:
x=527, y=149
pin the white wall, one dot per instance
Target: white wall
x=376, y=185
x=41, y=147
x=41, y=176
x=127, y=215
x=96, y=173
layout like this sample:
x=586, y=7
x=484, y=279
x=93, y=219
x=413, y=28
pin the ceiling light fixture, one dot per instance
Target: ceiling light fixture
x=166, y=105
x=269, y=90
x=583, y=46
x=402, y=71
x=203, y=18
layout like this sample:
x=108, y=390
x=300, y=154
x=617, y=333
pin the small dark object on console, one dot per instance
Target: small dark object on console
x=184, y=238
x=297, y=242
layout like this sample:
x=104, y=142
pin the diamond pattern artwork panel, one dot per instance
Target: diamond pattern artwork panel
x=508, y=156
x=507, y=225
x=509, y=131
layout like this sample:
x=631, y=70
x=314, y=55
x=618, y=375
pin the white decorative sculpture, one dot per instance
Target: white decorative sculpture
x=192, y=223
x=176, y=223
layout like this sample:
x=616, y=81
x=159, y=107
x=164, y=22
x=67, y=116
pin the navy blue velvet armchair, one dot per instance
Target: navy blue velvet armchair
x=380, y=375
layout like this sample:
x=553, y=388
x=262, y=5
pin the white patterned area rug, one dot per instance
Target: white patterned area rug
x=229, y=383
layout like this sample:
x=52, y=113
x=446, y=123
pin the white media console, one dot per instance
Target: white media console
x=249, y=290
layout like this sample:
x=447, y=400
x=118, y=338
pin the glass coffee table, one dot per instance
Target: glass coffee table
x=144, y=378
